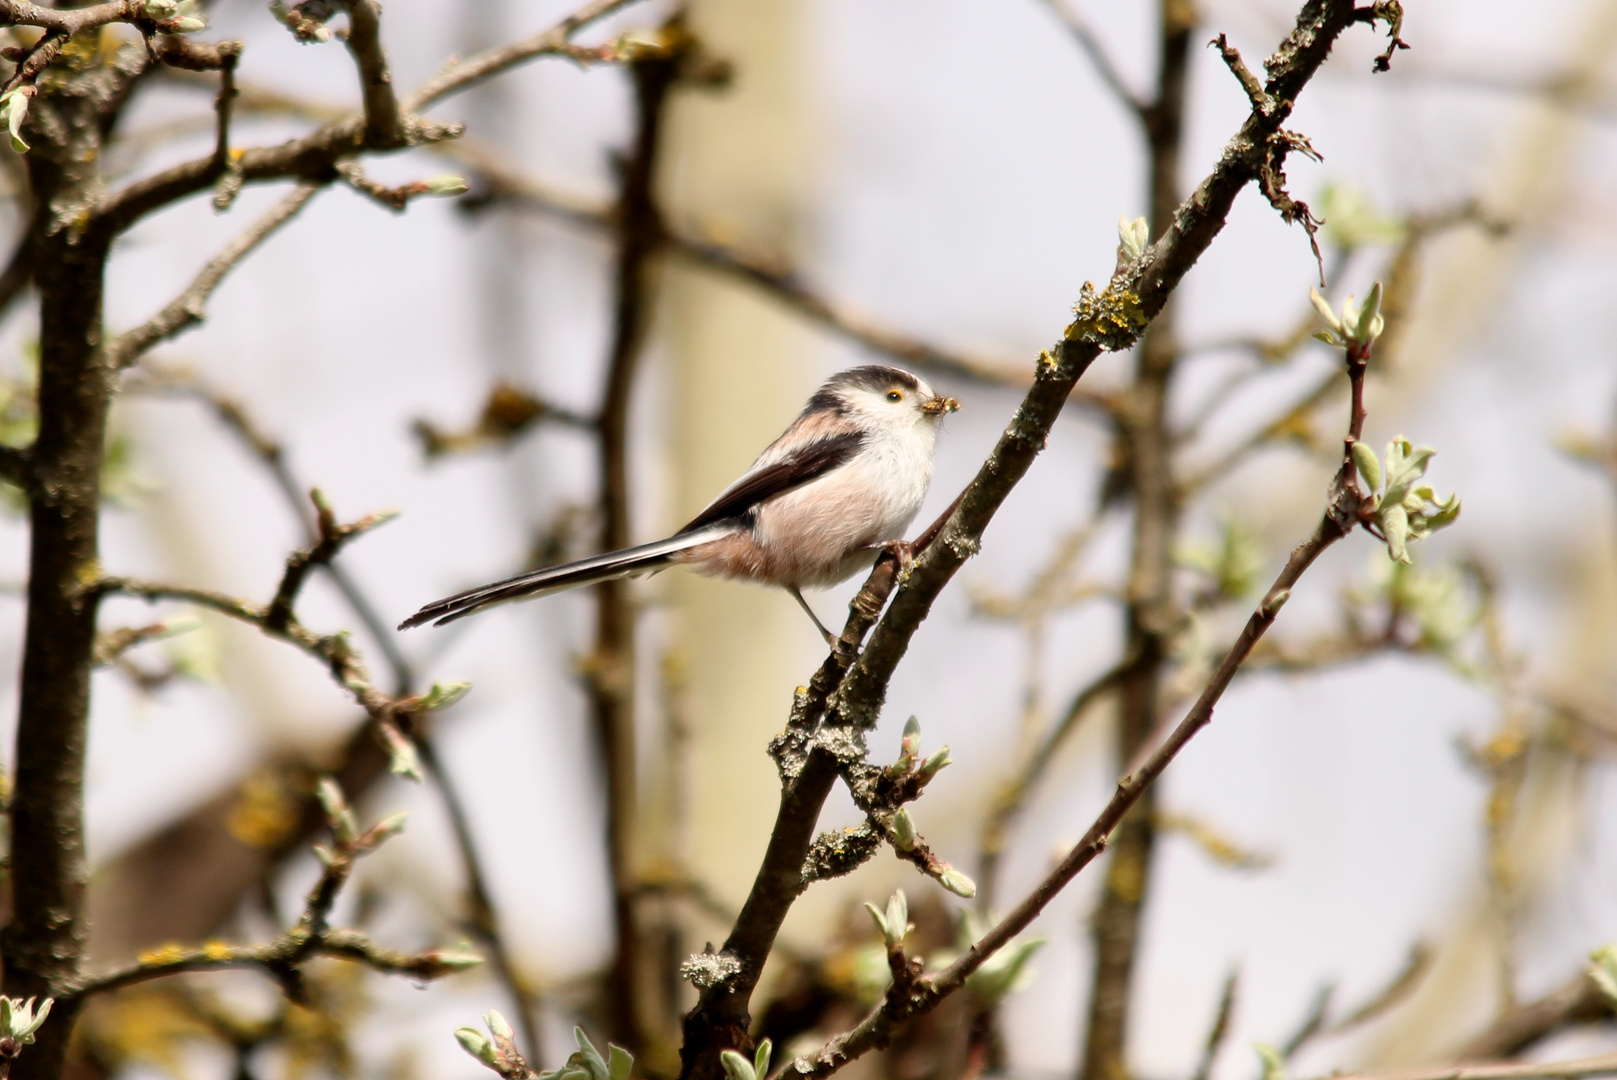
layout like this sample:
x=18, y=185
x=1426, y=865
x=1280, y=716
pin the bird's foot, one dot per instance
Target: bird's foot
x=903, y=551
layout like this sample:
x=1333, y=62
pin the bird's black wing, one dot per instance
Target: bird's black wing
x=811, y=462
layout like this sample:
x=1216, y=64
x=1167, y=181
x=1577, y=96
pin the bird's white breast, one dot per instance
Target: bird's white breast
x=824, y=531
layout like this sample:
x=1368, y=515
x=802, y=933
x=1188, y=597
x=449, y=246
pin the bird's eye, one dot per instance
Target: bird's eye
x=895, y=395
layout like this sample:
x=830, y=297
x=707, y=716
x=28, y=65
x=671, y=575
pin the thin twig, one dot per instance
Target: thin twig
x=313, y=156
x=483, y=918
x=770, y=275
x=1219, y=1032
x=556, y=41
x=1082, y=33
x=1601, y=1065
x=610, y=671
x=1013, y=796
x=190, y=307
x=1577, y=1001
x=384, y=123
x=311, y=936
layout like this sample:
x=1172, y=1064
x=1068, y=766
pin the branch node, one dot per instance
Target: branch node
x=1262, y=102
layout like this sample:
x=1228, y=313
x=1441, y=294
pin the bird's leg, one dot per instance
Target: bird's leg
x=830, y=638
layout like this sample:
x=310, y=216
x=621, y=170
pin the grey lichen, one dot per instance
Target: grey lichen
x=843, y=742
x=709, y=969
x=839, y=851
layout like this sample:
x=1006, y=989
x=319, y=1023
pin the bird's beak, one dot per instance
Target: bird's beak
x=938, y=406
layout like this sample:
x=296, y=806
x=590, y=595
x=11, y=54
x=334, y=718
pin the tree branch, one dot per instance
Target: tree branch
x=556, y=41
x=1012, y=797
x=313, y=156
x=1340, y=517
x=190, y=307
x=1516, y=1029
x=1081, y=32
x=1603, y=1064
x=309, y=938
x=1110, y=320
x=610, y=672
x=767, y=274
x=384, y=123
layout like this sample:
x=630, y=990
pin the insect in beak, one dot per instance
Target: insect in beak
x=939, y=406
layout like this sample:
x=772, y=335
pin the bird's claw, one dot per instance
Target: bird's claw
x=904, y=552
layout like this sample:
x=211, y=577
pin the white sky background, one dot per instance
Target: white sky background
x=971, y=173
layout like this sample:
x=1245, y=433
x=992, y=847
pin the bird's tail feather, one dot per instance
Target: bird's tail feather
x=552, y=579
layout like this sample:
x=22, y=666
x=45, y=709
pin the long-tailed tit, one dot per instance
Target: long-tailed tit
x=843, y=482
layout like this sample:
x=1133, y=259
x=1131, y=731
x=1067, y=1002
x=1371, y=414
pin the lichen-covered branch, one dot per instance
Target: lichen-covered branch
x=1113, y=319
x=310, y=937
x=1343, y=513
x=314, y=156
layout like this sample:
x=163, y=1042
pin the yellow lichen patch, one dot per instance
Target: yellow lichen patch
x=171, y=953
x=265, y=811
x=148, y=1026
x=218, y=950
x=1112, y=320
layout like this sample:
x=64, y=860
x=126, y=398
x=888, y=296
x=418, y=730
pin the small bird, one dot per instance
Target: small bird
x=842, y=483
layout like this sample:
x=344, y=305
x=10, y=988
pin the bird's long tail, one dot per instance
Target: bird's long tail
x=573, y=575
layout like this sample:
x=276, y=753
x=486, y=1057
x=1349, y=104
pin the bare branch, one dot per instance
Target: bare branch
x=225, y=102
x=66, y=22
x=309, y=938
x=1081, y=32
x=506, y=414
x=556, y=41
x=1220, y=1031
x=332, y=537
x=190, y=307
x=1578, y=1001
x=151, y=379
x=15, y=467
x=1012, y=797
x=771, y=275
x=1111, y=320
x=312, y=157
x=1601, y=1065
x=384, y=124
x=334, y=652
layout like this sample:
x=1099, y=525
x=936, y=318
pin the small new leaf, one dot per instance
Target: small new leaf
x=1133, y=237
x=937, y=762
x=737, y=1067
x=588, y=1056
x=1356, y=326
x=441, y=695
x=1006, y=971
x=477, y=1044
x=903, y=833
x=760, y=1060
x=1369, y=468
x=957, y=883
x=19, y=1021
x=15, y=102
x=1603, y=973
x=619, y=1062
x=1274, y=1066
